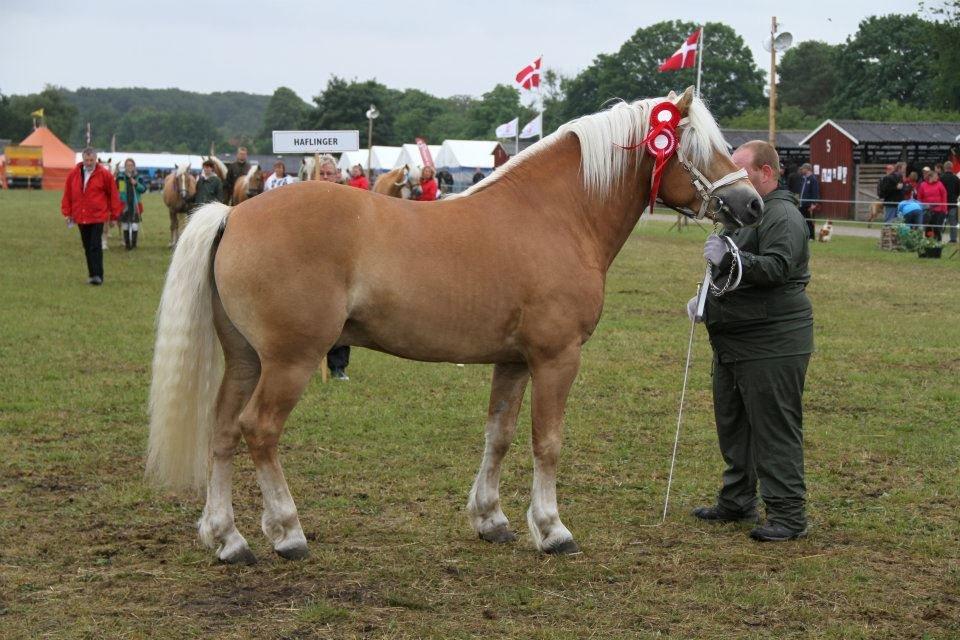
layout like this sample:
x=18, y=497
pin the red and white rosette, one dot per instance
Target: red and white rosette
x=661, y=141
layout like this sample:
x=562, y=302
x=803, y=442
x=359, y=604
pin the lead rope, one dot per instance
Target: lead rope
x=702, y=289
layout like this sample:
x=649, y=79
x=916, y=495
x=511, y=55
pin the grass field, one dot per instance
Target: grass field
x=380, y=467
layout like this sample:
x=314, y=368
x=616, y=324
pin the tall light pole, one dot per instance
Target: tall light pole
x=774, y=45
x=372, y=114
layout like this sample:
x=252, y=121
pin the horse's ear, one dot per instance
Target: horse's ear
x=672, y=95
x=683, y=104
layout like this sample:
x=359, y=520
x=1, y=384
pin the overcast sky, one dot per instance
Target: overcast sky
x=443, y=48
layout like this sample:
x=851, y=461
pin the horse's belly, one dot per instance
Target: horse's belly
x=432, y=334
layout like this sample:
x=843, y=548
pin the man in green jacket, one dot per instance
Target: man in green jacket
x=762, y=338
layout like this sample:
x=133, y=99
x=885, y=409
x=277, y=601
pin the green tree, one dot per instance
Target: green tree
x=416, y=115
x=891, y=57
x=788, y=117
x=58, y=114
x=731, y=81
x=500, y=104
x=808, y=76
x=284, y=111
x=343, y=105
x=148, y=129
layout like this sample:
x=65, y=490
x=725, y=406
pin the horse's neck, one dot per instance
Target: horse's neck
x=551, y=181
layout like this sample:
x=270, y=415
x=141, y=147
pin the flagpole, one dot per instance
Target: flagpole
x=540, y=95
x=700, y=41
x=516, y=137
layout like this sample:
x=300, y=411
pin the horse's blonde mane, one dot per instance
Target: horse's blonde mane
x=252, y=170
x=181, y=169
x=602, y=136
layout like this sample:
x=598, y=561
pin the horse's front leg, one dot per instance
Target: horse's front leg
x=552, y=379
x=506, y=395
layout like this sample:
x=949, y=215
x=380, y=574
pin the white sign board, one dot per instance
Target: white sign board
x=315, y=141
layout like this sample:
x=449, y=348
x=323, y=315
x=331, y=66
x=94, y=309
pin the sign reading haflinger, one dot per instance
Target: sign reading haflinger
x=315, y=141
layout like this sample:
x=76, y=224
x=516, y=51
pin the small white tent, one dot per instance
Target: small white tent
x=384, y=158
x=463, y=157
x=410, y=155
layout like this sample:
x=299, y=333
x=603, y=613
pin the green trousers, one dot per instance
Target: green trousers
x=759, y=413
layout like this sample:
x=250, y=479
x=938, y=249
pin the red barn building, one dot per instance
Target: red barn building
x=848, y=156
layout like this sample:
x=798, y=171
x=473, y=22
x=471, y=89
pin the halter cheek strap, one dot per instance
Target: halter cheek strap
x=704, y=186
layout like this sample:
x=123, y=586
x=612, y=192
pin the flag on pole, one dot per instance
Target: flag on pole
x=529, y=76
x=684, y=57
x=508, y=129
x=424, y=152
x=37, y=114
x=533, y=128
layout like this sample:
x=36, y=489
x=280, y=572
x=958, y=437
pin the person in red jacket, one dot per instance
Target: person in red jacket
x=357, y=179
x=428, y=185
x=90, y=199
x=933, y=195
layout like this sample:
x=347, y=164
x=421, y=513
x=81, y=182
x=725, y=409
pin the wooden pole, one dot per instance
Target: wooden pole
x=369, y=149
x=773, y=83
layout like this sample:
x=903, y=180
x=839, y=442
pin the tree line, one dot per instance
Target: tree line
x=895, y=67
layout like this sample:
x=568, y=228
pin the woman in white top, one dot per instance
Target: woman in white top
x=278, y=178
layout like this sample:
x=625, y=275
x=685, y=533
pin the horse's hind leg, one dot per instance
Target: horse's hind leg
x=280, y=386
x=552, y=379
x=486, y=516
x=241, y=372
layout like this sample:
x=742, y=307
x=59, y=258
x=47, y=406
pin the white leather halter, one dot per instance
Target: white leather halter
x=710, y=203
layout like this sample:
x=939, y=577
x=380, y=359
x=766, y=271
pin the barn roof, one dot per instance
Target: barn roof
x=866, y=132
x=789, y=138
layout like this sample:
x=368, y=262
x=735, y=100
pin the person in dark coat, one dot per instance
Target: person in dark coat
x=235, y=170
x=130, y=187
x=762, y=338
x=890, y=190
x=89, y=200
x=478, y=176
x=809, y=195
x=209, y=187
x=952, y=184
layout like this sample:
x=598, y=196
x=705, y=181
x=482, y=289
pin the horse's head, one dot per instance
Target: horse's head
x=410, y=179
x=254, y=181
x=701, y=177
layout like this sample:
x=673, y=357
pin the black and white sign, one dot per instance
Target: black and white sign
x=315, y=141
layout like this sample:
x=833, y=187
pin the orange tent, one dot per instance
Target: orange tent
x=58, y=158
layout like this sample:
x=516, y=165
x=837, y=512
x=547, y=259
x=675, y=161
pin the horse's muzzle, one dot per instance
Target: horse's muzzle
x=183, y=194
x=742, y=205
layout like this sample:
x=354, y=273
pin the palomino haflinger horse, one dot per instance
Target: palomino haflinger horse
x=179, y=188
x=248, y=185
x=509, y=273
x=398, y=183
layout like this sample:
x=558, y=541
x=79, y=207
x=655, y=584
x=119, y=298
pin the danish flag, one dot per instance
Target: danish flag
x=684, y=57
x=529, y=76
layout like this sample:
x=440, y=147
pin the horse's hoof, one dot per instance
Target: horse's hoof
x=298, y=552
x=499, y=535
x=565, y=548
x=242, y=556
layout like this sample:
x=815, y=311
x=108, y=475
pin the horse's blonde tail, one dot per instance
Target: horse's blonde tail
x=187, y=365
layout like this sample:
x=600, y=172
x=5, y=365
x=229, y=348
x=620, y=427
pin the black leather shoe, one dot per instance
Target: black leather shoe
x=717, y=513
x=771, y=532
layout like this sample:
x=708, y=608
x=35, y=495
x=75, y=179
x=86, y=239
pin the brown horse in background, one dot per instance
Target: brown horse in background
x=248, y=186
x=179, y=188
x=510, y=273
x=397, y=183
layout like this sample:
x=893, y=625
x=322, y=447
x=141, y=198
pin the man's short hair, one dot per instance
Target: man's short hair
x=239, y=149
x=806, y=166
x=88, y=151
x=948, y=166
x=210, y=163
x=764, y=153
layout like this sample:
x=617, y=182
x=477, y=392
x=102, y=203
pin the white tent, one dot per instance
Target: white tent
x=163, y=161
x=351, y=158
x=384, y=158
x=410, y=155
x=466, y=155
